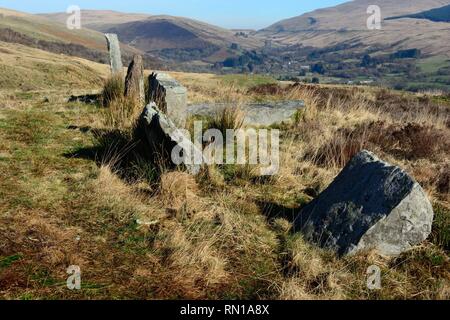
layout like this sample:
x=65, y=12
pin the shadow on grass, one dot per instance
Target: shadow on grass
x=122, y=152
x=273, y=211
x=87, y=99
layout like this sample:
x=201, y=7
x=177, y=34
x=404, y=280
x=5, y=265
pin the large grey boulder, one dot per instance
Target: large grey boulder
x=258, y=114
x=134, y=81
x=370, y=205
x=170, y=97
x=166, y=141
x=114, y=53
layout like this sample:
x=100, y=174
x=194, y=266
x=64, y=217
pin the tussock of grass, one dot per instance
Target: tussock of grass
x=112, y=192
x=228, y=118
x=113, y=89
x=122, y=112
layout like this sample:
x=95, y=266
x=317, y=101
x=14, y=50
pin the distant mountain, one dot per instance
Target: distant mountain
x=348, y=23
x=437, y=15
x=182, y=38
x=334, y=41
x=173, y=38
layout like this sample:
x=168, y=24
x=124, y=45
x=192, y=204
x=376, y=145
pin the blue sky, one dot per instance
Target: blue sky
x=226, y=13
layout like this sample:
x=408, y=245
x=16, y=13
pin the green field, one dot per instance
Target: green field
x=244, y=80
x=433, y=64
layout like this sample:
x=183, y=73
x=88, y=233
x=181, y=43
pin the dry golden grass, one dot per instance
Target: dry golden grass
x=336, y=124
x=223, y=234
x=121, y=111
x=228, y=118
x=113, y=89
x=109, y=190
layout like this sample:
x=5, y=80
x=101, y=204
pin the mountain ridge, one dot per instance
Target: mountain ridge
x=173, y=38
x=348, y=22
x=99, y=20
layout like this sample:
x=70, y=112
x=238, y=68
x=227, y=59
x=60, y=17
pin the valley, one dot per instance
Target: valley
x=321, y=46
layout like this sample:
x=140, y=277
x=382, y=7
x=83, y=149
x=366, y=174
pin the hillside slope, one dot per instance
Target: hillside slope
x=44, y=29
x=348, y=23
x=181, y=38
x=52, y=35
x=28, y=69
x=174, y=38
x=100, y=20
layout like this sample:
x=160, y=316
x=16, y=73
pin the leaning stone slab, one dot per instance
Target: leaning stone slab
x=134, y=81
x=169, y=96
x=166, y=140
x=114, y=53
x=370, y=205
x=258, y=114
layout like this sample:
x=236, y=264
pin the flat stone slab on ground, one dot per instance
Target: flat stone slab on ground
x=262, y=114
x=370, y=205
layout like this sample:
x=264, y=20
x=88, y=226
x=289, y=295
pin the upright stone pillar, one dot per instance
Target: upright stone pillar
x=134, y=81
x=114, y=53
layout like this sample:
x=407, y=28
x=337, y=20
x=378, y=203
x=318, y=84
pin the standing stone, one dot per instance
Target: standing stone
x=370, y=205
x=169, y=96
x=166, y=141
x=114, y=53
x=134, y=81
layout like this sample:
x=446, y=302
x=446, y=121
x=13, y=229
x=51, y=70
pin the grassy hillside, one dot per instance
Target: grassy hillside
x=73, y=191
x=100, y=20
x=348, y=22
x=44, y=29
x=53, y=36
x=26, y=69
x=336, y=39
x=174, y=38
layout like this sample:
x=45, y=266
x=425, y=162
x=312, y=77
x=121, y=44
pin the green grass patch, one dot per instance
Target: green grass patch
x=246, y=81
x=6, y=262
x=441, y=227
x=442, y=99
x=433, y=64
